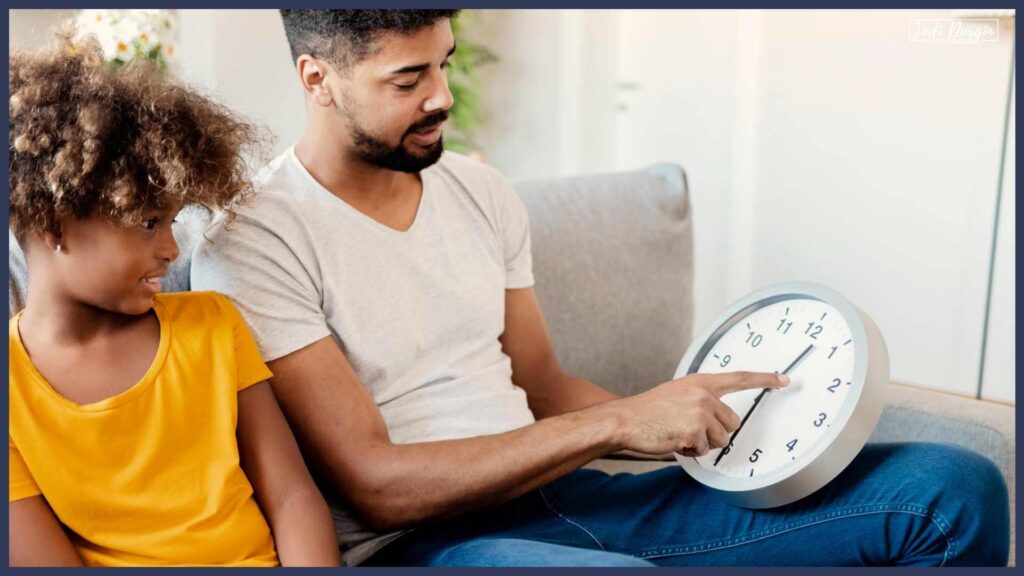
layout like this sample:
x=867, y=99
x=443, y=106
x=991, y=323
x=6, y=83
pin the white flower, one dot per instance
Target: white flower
x=92, y=19
x=147, y=40
x=109, y=45
x=167, y=49
x=126, y=30
x=142, y=15
x=98, y=23
x=92, y=22
x=122, y=34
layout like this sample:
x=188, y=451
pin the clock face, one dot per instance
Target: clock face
x=805, y=338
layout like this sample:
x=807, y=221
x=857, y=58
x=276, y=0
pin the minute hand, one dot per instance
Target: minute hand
x=757, y=401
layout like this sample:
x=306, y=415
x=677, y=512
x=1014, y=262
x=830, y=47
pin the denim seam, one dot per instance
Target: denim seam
x=544, y=497
x=934, y=517
x=879, y=507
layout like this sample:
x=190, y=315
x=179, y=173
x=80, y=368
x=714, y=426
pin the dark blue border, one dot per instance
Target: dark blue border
x=479, y=4
x=553, y=4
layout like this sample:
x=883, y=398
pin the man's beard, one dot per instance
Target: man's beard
x=373, y=151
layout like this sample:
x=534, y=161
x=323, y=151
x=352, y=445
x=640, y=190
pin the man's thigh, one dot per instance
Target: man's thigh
x=512, y=552
x=522, y=532
x=892, y=505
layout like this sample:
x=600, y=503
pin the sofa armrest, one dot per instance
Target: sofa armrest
x=914, y=414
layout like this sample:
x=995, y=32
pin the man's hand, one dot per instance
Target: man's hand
x=685, y=415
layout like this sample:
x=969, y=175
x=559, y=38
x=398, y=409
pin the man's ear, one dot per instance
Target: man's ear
x=313, y=74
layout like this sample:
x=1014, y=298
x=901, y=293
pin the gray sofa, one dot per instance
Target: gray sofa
x=613, y=260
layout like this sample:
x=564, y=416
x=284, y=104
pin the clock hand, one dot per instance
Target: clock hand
x=742, y=422
x=793, y=364
x=757, y=400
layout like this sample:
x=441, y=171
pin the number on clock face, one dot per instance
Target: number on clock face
x=787, y=422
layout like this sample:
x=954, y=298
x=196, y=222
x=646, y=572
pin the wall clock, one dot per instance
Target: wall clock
x=793, y=440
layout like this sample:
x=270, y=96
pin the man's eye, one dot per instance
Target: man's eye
x=150, y=223
x=407, y=87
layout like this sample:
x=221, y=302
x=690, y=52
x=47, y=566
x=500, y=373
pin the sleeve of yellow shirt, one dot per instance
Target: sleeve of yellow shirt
x=22, y=485
x=251, y=368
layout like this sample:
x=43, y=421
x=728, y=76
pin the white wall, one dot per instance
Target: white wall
x=242, y=57
x=820, y=145
x=999, y=381
x=679, y=93
x=523, y=135
x=877, y=173
x=551, y=97
x=27, y=28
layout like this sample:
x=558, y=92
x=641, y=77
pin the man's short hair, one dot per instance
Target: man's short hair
x=345, y=37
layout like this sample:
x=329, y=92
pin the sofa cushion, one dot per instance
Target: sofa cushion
x=613, y=262
x=17, y=276
x=188, y=232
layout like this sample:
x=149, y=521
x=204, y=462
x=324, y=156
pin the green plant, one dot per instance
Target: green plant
x=466, y=114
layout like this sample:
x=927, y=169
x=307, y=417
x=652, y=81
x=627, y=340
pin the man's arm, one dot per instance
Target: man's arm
x=35, y=537
x=395, y=485
x=535, y=368
x=295, y=510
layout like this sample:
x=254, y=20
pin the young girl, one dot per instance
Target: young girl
x=142, y=427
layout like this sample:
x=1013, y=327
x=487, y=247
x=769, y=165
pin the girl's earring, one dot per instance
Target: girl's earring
x=58, y=250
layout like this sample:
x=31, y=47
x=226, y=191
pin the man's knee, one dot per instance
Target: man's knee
x=985, y=490
x=973, y=499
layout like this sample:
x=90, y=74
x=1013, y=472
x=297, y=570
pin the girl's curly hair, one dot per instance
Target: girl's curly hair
x=88, y=138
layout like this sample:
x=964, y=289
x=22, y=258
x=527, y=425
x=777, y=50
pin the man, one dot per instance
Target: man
x=388, y=284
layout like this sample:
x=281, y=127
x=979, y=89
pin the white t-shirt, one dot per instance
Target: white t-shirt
x=417, y=313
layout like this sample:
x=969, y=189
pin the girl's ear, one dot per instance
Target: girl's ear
x=52, y=238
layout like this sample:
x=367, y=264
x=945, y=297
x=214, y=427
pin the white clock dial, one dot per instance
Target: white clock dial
x=792, y=440
x=813, y=337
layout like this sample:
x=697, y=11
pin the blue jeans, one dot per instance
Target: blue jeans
x=895, y=504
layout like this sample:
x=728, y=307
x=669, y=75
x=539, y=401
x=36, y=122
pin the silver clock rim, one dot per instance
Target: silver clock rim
x=852, y=426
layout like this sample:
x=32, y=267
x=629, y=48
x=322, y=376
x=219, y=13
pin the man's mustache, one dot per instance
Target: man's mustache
x=429, y=121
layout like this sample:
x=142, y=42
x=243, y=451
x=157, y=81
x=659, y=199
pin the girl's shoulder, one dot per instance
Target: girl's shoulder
x=196, y=308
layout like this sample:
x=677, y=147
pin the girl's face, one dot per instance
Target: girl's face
x=115, y=268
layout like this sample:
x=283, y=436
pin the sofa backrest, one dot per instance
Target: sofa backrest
x=17, y=276
x=613, y=261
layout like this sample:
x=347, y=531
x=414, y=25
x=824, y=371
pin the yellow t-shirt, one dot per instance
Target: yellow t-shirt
x=150, y=476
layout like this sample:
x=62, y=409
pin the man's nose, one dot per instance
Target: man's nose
x=441, y=98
